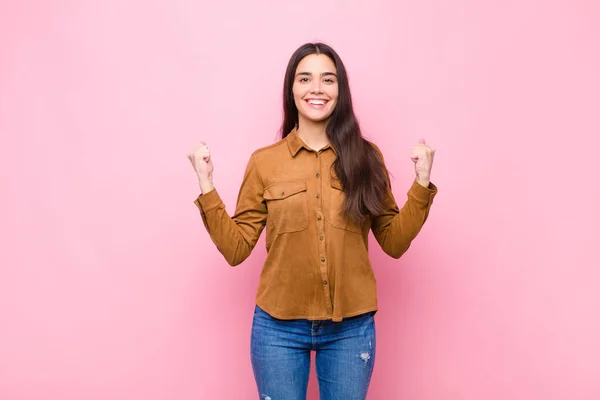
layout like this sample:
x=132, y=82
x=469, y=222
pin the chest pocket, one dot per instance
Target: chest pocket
x=287, y=206
x=336, y=218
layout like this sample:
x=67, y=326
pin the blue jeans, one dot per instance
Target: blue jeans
x=280, y=353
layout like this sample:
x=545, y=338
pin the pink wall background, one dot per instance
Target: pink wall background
x=110, y=287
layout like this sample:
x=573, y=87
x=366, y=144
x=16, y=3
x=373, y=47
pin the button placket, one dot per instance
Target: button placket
x=321, y=236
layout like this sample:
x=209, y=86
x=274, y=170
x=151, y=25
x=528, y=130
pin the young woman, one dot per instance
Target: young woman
x=319, y=191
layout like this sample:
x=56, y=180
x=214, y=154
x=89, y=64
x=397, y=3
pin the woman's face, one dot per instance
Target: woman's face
x=315, y=88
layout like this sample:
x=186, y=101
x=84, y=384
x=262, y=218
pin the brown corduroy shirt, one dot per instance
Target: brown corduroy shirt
x=317, y=264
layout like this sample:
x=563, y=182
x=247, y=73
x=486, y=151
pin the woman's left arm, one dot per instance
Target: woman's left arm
x=396, y=228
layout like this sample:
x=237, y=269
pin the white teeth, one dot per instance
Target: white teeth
x=316, y=102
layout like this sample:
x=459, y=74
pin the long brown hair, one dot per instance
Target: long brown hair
x=358, y=166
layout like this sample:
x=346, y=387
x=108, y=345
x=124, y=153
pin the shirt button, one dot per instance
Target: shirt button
x=316, y=155
x=318, y=196
x=318, y=174
x=321, y=238
x=322, y=259
x=282, y=193
x=324, y=282
x=319, y=217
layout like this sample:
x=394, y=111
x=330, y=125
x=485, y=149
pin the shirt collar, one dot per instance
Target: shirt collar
x=295, y=143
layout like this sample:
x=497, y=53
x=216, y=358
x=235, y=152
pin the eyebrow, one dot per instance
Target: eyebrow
x=322, y=75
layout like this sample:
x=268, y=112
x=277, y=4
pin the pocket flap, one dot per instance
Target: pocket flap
x=336, y=183
x=282, y=190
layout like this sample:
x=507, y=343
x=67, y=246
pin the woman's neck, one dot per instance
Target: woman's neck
x=313, y=134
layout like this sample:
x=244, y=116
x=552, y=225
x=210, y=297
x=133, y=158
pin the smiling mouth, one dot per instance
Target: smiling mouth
x=314, y=102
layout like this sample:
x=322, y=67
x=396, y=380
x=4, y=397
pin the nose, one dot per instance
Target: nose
x=316, y=86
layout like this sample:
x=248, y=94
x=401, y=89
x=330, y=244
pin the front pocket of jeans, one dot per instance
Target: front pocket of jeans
x=287, y=207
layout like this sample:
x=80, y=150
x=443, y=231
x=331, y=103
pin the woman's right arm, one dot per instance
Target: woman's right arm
x=234, y=236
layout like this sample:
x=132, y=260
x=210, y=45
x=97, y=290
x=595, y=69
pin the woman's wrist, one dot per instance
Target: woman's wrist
x=423, y=182
x=206, y=184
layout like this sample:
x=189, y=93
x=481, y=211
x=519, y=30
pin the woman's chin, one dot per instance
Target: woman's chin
x=316, y=117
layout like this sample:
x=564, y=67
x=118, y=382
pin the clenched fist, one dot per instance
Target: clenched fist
x=422, y=156
x=200, y=159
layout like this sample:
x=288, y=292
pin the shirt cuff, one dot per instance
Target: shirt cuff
x=209, y=201
x=422, y=194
